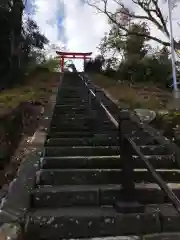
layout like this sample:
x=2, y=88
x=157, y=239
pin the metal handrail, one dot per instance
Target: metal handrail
x=109, y=115
x=125, y=139
x=162, y=184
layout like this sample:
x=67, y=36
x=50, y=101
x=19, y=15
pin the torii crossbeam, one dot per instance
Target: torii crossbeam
x=72, y=55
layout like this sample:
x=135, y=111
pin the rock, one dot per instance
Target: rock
x=10, y=231
x=145, y=115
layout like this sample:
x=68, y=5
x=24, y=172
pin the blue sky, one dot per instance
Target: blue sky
x=30, y=7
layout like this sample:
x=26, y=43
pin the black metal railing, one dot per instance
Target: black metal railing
x=128, y=149
x=128, y=124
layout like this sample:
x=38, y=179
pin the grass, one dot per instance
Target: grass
x=144, y=96
x=136, y=96
x=35, y=89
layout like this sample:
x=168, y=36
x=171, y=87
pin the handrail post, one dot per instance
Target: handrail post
x=126, y=157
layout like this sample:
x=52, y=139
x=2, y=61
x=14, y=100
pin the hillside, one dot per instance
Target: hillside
x=21, y=109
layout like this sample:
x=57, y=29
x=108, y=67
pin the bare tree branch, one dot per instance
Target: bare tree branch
x=128, y=13
x=94, y=6
x=159, y=14
x=133, y=33
x=151, y=9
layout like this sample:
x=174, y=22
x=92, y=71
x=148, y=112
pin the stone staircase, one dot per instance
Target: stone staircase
x=85, y=189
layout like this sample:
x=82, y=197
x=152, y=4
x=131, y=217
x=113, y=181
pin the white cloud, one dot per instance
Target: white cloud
x=46, y=19
x=83, y=27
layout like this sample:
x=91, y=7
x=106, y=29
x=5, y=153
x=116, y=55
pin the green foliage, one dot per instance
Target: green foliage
x=112, y=41
x=51, y=64
x=149, y=68
x=138, y=63
x=124, y=44
x=95, y=65
x=21, y=42
x=32, y=36
x=47, y=65
x=33, y=43
x=134, y=45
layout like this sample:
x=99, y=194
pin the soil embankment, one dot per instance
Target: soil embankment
x=20, y=122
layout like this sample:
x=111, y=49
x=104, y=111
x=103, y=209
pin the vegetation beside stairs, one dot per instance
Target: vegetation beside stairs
x=21, y=109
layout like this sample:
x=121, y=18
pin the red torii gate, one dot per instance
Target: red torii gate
x=72, y=55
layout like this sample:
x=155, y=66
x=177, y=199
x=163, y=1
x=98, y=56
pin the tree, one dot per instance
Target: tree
x=52, y=64
x=20, y=41
x=135, y=49
x=31, y=47
x=155, y=68
x=112, y=41
x=135, y=45
x=132, y=48
x=128, y=45
x=137, y=63
x=6, y=32
x=123, y=16
x=32, y=38
x=129, y=36
x=95, y=65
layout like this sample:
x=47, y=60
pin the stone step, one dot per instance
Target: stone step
x=74, y=103
x=139, y=134
x=68, y=116
x=104, y=162
x=81, y=127
x=169, y=217
x=79, y=122
x=67, y=134
x=155, y=150
x=150, y=193
x=67, y=92
x=156, y=236
x=81, y=151
x=65, y=106
x=144, y=140
x=99, y=176
x=93, y=141
x=95, y=195
x=158, y=161
x=70, y=94
x=72, y=110
x=69, y=87
x=72, y=128
x=77, y=100
x=79, y=112
x=55, y=197
x=88, y=222
x=69, y=106
x=66, y=119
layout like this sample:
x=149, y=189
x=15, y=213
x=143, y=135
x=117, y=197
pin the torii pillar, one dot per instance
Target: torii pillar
x=72, y=55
